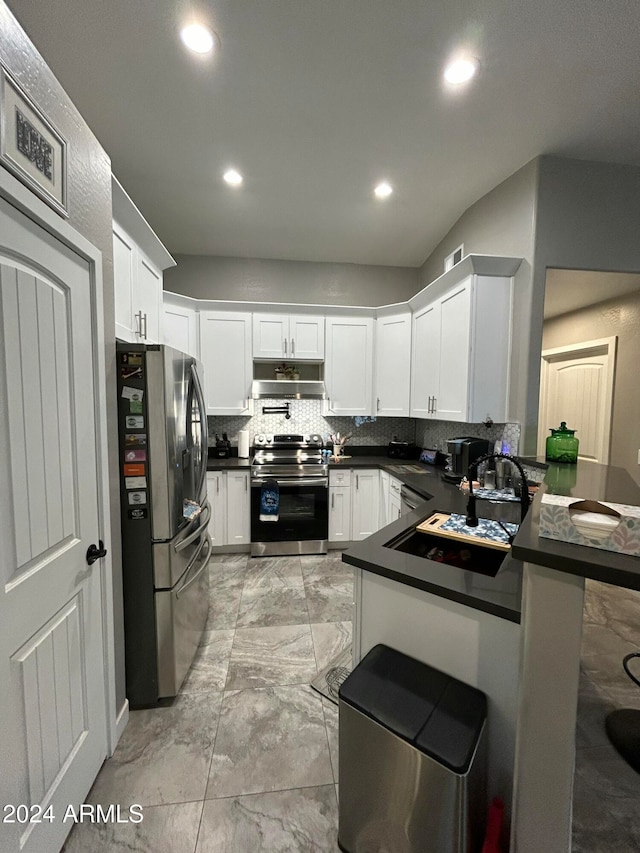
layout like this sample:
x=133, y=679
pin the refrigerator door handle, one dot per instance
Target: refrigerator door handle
x=204, y=565
x=203, y=420
x=204, y=517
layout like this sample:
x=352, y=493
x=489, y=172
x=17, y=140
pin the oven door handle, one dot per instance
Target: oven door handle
x=204, y=517
x=323, y=482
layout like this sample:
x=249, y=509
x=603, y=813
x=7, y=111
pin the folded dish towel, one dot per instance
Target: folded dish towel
x=269, y=501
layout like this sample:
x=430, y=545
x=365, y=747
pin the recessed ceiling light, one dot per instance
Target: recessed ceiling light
x=231, y=176
x=460, y=71
x=197, y=38
x=383, y=190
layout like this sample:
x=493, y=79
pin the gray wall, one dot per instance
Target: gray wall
x=588, y=217
x=89, y=204
x=620, y=317
x=255, y=280
x=502, y=223
x=554, y=212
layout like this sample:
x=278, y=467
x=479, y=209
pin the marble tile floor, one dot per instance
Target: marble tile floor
x=606, y=802
x=245, y=758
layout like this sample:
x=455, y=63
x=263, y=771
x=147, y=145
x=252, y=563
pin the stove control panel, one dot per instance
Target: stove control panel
x=267, y=440
x=263, y=440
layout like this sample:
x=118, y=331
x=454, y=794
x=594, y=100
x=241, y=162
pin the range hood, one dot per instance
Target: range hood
x=288, y=389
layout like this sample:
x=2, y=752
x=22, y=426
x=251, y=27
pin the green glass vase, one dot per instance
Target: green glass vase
x=562, y=445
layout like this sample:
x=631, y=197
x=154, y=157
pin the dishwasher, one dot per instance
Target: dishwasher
x=409, y=500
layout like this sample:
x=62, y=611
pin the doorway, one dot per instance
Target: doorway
x=584, y=308
x=576, y=386
x=52, y=636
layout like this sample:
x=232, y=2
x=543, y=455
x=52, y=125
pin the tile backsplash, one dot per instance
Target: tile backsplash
x=307, y=417
x=436, y=433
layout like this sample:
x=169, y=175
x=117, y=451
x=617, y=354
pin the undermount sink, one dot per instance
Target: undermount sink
x=471, y=557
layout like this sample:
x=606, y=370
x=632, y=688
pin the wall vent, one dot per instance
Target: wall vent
x=454, y=258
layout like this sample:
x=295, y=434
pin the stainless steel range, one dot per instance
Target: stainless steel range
x=289, y=470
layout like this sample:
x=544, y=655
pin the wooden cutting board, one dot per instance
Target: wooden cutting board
x=475, y=536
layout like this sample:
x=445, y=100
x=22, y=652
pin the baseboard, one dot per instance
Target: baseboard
x=122, y=719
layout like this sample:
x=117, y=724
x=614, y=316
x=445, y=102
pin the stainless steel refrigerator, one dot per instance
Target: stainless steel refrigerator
x=165, y=513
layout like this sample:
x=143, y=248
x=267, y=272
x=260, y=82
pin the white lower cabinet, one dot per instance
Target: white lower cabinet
x=339, y=514
x=229, y=496
x=383, y=518
x=340, y=506
x=238, y=508
x=365, y=502
x=217, y=494
x=394, y=506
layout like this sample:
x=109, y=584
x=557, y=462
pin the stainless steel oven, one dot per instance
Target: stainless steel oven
x=300, y=522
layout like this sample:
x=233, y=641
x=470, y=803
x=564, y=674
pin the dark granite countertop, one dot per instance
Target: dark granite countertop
x=595, y=482
x=499, y=595
x=225, y=464
x=420, y=482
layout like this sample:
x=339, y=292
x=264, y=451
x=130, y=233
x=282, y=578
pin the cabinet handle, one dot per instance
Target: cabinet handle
x=333, y=499
x=138, y=317
x=246, y=480
x=377, y=404
x=217, y=485
x=435, y=406
x=145, y=326
x=357, y=482
x=285, y=346
x=293, y=347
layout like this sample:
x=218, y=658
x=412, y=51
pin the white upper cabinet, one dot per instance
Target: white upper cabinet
x=453, y=400
x=138, y=260
x=461, y=343
x=440, y=370
x=393, y=365
x=124, y=250
x=180, y=324
x=225, y=351
x=270, y=336
x=288, y=336
x=349, y=365
x=307, y=337
x=425, y=360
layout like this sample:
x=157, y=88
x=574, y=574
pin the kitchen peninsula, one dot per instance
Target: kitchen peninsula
x=516, y=636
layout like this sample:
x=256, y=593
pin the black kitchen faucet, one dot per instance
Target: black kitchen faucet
x=472, y=518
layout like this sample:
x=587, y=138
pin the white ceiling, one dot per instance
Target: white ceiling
x=315, y=101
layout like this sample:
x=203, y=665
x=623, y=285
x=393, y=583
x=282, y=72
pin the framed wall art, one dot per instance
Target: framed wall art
x=30, y=146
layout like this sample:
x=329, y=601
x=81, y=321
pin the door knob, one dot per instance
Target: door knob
x=96, y=553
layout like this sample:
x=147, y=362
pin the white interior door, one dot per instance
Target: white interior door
x=576, y=386
x=52, y=701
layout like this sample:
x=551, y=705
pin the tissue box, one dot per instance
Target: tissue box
x=610, y=526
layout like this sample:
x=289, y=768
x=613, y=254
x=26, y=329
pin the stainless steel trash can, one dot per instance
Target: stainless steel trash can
x=411, y=759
